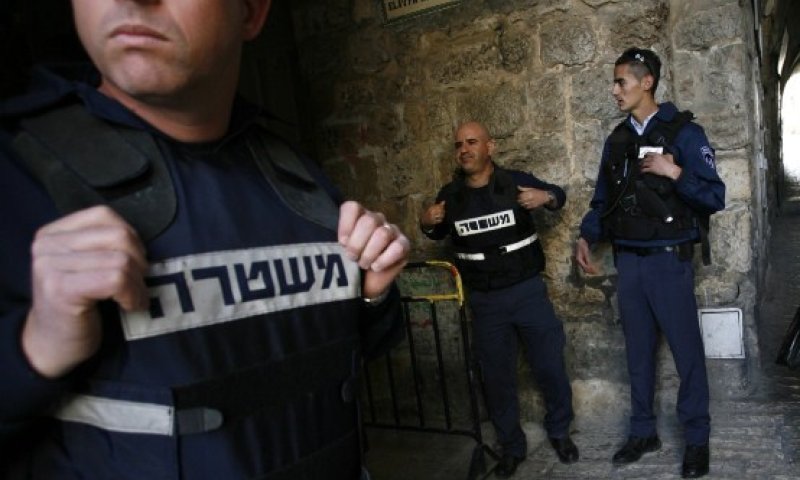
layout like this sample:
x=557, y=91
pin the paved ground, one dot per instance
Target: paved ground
x=757, y=438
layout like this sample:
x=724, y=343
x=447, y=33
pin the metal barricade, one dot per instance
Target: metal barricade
x=422, y=422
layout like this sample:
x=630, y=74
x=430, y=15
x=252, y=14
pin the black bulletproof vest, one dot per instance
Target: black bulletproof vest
x=498, y=270
x=644, y=206
x=124, y=169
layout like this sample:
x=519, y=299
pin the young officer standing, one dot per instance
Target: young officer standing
x=656, y=189
x=486, y=212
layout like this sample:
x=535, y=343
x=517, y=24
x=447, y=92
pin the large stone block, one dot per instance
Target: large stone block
x=703, y=29
x=726, y=132
x=714, y=82
x=568, y=41
x=516, y=46
x=717, y=290
x=591, y=94
x=599, y=349
x=500, y=108
x=726, y=79
x=547, y=104
x=544, y=157
x=404, y=173
x=734, y=170
x=587, y=148
x=429, y=118
x=464, y=56
x=601, y=400
x=730, y=238
x=639, y=24
x=689, y=68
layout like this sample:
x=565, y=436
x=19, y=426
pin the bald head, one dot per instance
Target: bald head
x=476, y=129
x=474, y=148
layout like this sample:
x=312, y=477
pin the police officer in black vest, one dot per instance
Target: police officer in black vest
x=486, y=212
x=656, y=189
x=182, y=293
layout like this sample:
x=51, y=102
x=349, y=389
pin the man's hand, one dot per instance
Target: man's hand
x=77, y=261
x=583, y=257
x=659, y=164
x=379, y=247
x=433, y=215
x=531, y=198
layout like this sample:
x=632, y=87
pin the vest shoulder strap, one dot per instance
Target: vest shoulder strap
x=124, y=169
x=119, y=167
x=504, y=189
x=665, y=133
x=289, y=177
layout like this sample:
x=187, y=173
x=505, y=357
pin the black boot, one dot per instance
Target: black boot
x=507, y=465
x=566, y=449
x=695, y=461
x=634, y=448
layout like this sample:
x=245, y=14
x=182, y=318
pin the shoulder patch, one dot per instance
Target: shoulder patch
x=708, y=156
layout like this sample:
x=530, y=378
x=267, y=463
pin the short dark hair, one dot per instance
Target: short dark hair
x=642, y=62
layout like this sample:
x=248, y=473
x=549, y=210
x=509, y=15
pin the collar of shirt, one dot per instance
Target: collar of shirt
x=640, y=127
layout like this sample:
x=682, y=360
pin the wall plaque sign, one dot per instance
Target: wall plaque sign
x=394, y=10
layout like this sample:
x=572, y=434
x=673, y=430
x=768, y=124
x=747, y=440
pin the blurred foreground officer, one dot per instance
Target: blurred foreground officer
x=486, y=212
x=210, y=324
x=656, y=189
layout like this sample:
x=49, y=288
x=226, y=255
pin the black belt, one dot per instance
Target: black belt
x=643, y=251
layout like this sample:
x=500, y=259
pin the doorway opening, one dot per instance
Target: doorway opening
x=790, y=128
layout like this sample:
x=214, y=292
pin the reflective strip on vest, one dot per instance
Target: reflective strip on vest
x=504, y=249
x=471, y=256
x=212, y=288
x=117, y=415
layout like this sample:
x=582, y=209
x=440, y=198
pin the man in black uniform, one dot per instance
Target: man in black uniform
x=181, y=294
x=486, y=212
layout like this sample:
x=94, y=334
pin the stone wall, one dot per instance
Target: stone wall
x=385, y=100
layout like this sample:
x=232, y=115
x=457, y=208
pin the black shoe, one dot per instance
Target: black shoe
x=565, y=449
x=507, y=466
x=695, y=461
x=634, y=448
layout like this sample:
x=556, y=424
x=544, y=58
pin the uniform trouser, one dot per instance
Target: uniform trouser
x=657, y=292
x=499, y=316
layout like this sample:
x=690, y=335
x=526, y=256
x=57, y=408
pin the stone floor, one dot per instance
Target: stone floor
x=755, y=438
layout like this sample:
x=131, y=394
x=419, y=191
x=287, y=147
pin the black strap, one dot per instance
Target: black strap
x=665, y=133
x=704, y=225
x=269, y=387
x=291, y=180
x=82, y=161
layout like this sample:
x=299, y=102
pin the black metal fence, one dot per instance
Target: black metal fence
x=438, y=347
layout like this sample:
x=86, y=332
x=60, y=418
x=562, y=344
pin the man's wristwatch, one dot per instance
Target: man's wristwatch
x=376, y=300
x=551, y=198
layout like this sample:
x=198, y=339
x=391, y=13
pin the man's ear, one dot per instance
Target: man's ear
x=491, y=146
x=647, y=83
x=255, y=15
